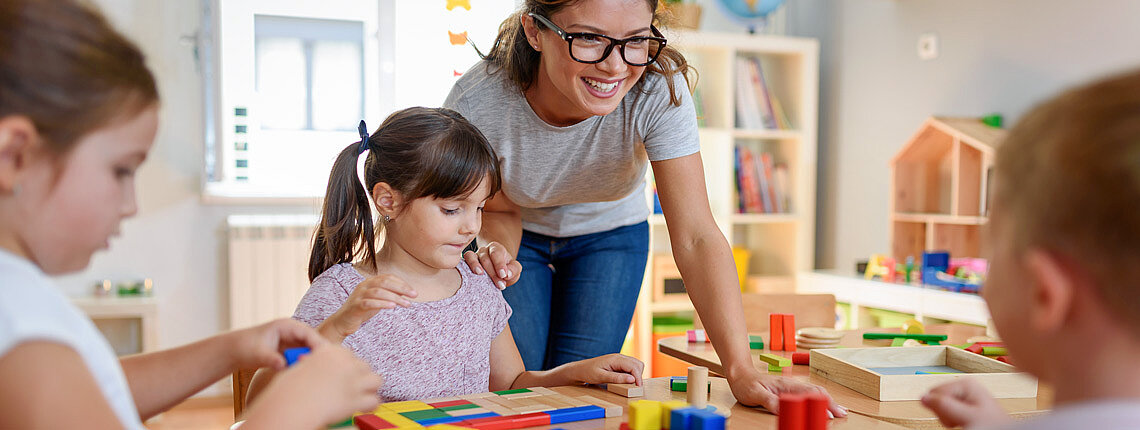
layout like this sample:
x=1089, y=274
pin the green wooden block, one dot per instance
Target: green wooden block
x=773, y=359
x=775, y=368
x=921, y=337
x=345, y=423
x=458, y=407
x=994, y=120
x=425, y=414
x=933, y=342
x=898, y=341
x=504, y=392
x=994, y=350
x=681, y=383
x=755, y=342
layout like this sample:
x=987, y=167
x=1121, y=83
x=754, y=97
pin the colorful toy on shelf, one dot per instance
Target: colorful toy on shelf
x=880, y=266
x=964, y=275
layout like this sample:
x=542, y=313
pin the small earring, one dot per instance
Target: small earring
x=387, y=218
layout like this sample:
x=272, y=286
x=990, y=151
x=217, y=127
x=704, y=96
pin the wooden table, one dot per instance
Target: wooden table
x=906, y=413
x=740, y=417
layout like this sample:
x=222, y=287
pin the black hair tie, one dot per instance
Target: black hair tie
x=363, y=129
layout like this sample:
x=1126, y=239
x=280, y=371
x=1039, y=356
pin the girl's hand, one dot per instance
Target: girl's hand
x=370, y=296
x=758, y=389
x=328, y=384
x=263, y=345
x=964, y=403
x=608, y=369
x=504, y=269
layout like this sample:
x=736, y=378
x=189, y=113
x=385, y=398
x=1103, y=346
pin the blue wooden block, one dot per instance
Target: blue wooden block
x=442, y=420
x=681, y=419
x=580, y=413
x=474, y=416
x=705, y=420
x=293, y=354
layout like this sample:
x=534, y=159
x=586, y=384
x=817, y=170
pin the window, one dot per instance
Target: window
x=288, y=80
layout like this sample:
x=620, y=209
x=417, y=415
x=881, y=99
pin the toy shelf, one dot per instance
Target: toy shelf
x=779, y=244
x=940, y=188
x=926, y=304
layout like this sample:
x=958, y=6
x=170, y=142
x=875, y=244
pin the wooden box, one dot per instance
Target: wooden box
x=868, y=371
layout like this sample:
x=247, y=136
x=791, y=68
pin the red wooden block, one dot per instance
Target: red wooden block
x=1003, y=359
x=508, y=422
x=801, y=358
x=776, y=332
x=817, y=411
x=793, y=412
x=371, y=422
x=789, y=332
x=450, y=403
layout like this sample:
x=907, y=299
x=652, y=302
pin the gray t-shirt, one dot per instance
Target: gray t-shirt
x=585, y=178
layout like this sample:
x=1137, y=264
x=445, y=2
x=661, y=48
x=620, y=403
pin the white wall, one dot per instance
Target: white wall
x=996, y=56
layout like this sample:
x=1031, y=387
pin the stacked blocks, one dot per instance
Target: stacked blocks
x=803, y=412
x=510, y=409
x=782, y=332
x=681, y=383
x=775, y=363
x=672, y=415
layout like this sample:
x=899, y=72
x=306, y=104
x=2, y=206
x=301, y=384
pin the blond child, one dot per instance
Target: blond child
x=1064, y=289
x=414, y=309
x=78, y=115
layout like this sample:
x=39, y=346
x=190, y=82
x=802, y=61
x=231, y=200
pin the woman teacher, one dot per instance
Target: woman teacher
x=579, y=97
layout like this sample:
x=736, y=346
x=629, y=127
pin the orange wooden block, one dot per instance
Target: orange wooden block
x=789, y=325
x=776, y=332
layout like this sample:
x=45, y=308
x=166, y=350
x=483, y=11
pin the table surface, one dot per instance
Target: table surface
x=740, y=417
x=907, y=413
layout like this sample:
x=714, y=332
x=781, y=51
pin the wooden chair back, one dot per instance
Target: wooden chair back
x=242, y=379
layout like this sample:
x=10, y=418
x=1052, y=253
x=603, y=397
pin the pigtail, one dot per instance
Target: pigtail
x=346, y=227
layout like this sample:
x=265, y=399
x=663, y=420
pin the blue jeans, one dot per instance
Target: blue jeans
x=576, y=295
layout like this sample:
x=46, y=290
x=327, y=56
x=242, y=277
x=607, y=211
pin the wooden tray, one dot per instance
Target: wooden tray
x=852, y=368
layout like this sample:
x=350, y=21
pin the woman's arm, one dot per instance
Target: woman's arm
x=706, y=265
x=507, y=371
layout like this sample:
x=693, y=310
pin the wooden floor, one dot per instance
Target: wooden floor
x=212, y=413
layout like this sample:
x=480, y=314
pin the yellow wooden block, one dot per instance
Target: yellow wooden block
x=775, y=360
x=645, y=415
x=447, y=427
x=667, y=410
x=406, y=406
x=398, y=420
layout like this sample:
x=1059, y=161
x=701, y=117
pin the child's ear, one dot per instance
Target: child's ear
x=1053, y=285
x=17, y=138
x=388, y=201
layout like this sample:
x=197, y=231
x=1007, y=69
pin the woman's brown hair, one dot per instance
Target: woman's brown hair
x=515, y=57
x=419, y=152
x=66, y=69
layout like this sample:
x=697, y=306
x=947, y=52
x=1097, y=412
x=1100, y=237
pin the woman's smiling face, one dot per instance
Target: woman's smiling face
x=566, y=91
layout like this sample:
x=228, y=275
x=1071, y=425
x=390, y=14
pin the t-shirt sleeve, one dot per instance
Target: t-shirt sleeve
x=455, y=101
x=503, y=314
x=669, y=131
x=324, y=297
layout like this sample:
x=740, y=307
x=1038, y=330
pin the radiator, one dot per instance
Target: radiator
x=268, y=266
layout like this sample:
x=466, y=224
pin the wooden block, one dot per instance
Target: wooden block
x=537, y=407
x=398, y=420
x=612, y=410
x=477, y=396
x=994, y=350
x=755, y=342
x=789, y=325
x=645, y=415
x=406, y=406
x=468, y=411
x=447, y=427
x=626, y=390
x=667, y=411
x=801, y=358
x=371, y=422
x=520, y=395
x=573, y=401
x=898, y=341
x=774, y=360
x=697, y=384
x=544, y=391
x=556, y=400
x=447, y=404
x=515, y=391
x=582, y=413
x=442, y=399
x=922, y=337
x=697, y=336
x=793, y=412
x=775, y=332
x=706, y=419
x=850, y=367
x=816, y=412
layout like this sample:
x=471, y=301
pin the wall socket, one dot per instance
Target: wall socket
x=928, y=46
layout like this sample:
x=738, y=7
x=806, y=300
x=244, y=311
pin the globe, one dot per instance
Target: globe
x=750, y=13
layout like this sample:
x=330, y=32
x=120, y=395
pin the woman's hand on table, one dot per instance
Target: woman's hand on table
x=753, y=388
x=503, y=269
x=964, y=403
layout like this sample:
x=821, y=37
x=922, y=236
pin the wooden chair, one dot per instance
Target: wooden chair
x=242, y=379
x=811, y=310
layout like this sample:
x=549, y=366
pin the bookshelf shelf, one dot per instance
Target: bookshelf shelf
x=779, y=243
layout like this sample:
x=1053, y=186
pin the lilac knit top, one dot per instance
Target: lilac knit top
x=430, y=349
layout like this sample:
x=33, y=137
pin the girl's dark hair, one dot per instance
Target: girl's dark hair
x=419, y=152
x=514, y=56
x=67, y=70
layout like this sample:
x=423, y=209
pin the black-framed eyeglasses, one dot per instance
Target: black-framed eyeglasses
x=593, y=48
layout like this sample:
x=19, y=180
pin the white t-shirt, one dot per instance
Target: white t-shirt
x=584, y=178
x=1099, y=415
x=31, y=308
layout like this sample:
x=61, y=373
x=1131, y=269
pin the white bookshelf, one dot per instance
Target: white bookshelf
x=781, y=244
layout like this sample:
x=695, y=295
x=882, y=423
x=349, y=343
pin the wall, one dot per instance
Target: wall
x=996, y=56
